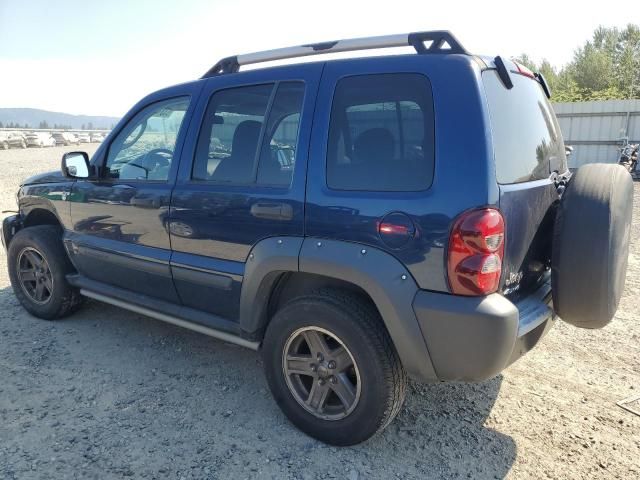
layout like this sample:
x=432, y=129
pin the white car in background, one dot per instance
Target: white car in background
x=72, y=138
x=84, y=138
x=4, y=141
x=17, y=140
x=40, y=139
x=96, y=137
x=65, y=138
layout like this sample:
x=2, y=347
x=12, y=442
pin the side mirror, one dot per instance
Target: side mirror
x=76, y=165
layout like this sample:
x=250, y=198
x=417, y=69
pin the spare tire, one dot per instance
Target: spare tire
x=591, y=245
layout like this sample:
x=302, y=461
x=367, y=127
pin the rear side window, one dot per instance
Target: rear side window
x=381, y=134
x=249, y=135
x=526, y=136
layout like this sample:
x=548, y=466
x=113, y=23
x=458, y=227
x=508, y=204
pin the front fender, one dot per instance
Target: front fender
x=53, y=198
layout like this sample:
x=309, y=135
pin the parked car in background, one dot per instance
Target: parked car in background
x=83, y=138
x=96, y=137
x=60, y=138
x=49, y=141
x=73, y=138
x=40, y=139
x=65, y=138
x=17, y=140
x=4, y=141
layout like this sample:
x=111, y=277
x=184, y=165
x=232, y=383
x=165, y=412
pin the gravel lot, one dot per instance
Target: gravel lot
x=107, y=393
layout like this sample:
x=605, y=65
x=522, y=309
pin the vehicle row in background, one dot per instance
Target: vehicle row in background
x=41, y=139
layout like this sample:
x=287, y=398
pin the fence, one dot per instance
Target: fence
x=597, y=129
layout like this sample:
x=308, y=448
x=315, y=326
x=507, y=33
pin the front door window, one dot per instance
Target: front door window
x=144, y=149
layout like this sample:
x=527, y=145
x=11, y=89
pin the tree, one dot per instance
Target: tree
x=605, y=67
x=1, y=126
x=43, y=125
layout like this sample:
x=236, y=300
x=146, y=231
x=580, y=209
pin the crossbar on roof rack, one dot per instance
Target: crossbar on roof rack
x=439, y=41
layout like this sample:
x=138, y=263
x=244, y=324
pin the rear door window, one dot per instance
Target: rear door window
x=526, y=136
x=249, y=135
x=381, y=134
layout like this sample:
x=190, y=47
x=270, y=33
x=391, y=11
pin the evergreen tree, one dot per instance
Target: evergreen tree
x=604, y=68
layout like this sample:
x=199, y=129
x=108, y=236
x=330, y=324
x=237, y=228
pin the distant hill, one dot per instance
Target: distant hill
x=33, y=117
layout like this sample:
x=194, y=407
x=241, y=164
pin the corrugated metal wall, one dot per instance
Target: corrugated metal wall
x=596, y=129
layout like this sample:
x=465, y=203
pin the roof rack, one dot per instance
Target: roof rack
x=439, y=41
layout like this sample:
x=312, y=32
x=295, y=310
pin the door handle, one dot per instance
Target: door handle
x=272, y=210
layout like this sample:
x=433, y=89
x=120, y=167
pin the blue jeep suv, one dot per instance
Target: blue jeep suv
x=359, y=221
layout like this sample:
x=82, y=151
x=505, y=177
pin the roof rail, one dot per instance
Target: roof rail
x=439, y=41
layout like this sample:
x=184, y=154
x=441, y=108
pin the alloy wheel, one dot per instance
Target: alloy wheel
x=34, y=274
x=321, y=373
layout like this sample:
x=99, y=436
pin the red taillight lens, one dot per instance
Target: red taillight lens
x=476, y=248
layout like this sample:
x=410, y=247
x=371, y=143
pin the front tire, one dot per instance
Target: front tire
x=332, y=367
x=38, y=265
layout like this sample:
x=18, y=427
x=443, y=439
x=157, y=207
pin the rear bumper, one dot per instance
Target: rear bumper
x=475, y=338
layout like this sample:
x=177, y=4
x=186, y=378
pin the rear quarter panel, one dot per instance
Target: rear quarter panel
x=463, y=175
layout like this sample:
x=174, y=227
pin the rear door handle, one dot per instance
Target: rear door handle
x=272, y=210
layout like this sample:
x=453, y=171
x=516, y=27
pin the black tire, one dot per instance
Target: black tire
x=591, y=245
x=5, y=146
x=357, y=325
x=45, y=240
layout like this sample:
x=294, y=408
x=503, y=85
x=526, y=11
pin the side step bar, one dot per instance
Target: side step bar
x=227, y=337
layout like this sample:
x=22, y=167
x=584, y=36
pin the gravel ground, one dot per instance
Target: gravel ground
x=107, y=394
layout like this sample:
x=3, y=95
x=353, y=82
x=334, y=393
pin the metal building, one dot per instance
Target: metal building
x=597, y=129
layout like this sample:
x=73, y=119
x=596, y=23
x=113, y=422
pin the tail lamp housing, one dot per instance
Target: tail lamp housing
x=476, y=250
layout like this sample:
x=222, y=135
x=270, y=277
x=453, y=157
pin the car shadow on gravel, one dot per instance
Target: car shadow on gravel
x=443, y=427
x=117, y=374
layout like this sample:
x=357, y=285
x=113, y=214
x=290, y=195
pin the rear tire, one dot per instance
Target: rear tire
x=375, y=384
x=591, y=245
x=36, y=256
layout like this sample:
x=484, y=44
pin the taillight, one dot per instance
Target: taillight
x=476, y=249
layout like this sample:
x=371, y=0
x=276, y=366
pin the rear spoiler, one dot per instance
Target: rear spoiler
x=505, y=74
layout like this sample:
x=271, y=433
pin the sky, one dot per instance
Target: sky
x=99, y=58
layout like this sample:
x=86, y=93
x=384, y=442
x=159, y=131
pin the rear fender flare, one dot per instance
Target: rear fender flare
x=379, y=274
x=267, y=261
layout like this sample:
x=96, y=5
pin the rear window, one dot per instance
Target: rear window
x=526, y=136
x=381, y=134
